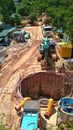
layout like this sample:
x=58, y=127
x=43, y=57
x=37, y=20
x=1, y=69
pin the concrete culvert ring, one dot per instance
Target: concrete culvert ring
x=43, y=102
x=3, y=51
x=44, y=85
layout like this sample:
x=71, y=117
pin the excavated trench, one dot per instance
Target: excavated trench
x=44, y=84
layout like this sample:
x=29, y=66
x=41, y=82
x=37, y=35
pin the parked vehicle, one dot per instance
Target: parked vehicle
x=21, y=35
x=30, y=116
x=46, y=30
x=47, y=52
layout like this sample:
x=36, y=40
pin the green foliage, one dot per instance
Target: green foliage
x=7, y=8
x=16, y=18
x=1, y=17
x=32, y=17
x=67, y=126
x=24, y=8
x=3, y=126
x=69, y=28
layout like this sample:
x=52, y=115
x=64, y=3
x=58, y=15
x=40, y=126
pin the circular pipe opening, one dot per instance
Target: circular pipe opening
x=44, y=84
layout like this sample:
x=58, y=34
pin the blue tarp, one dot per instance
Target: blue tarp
x=6, y=31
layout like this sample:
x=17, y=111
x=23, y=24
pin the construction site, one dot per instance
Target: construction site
x=30, y=72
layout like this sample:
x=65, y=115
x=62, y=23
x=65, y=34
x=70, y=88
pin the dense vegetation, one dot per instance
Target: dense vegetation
x=7, y=8
x=59, y=12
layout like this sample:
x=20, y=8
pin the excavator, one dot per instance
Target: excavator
x=48, y=49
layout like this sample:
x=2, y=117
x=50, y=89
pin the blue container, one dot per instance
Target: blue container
x=67, y=104
x=65, y=110
x=29, y=121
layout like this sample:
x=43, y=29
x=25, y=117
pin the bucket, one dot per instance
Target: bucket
x=65, y=110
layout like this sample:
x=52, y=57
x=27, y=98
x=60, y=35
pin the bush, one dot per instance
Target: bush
x=16, y=18
x=32, y=17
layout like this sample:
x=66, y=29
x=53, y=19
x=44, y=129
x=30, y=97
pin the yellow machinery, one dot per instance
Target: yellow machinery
x=49, y=108
x=21, y=104
x=66, y=51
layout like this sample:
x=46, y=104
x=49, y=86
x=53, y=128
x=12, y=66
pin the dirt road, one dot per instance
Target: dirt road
x=21, y=58
x=19, y=54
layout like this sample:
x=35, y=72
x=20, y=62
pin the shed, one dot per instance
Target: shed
x=6, y=31
x=5, y=34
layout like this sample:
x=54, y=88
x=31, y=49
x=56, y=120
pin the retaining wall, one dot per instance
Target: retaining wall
x=45, y=84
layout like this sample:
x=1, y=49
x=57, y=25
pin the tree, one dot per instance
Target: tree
x=32, y=17
x=60, y=13
x=24, y=8
x=1, y=17
x=7, y=8
x=69, y=28
x=16, y=18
